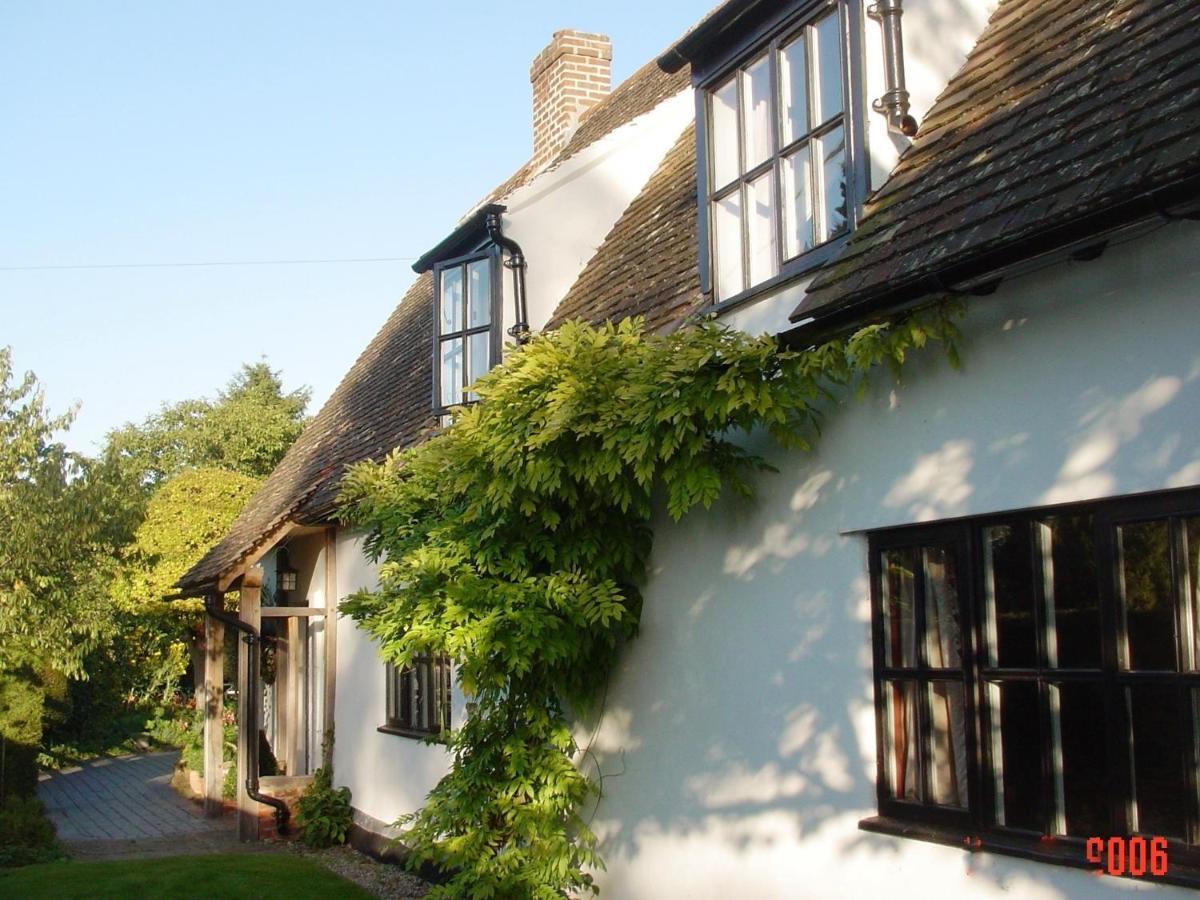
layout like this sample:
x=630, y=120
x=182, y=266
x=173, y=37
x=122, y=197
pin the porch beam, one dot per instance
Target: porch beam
x=288, y=612
x=214, y=707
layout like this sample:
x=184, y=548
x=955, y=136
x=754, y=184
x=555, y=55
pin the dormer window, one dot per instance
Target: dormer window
x=467, y=341
x=779, y=142
x=778, y=161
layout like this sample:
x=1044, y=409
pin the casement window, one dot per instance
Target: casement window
x=466, y=325
x=418, y=697
x=779, y=152
x=1037, y=677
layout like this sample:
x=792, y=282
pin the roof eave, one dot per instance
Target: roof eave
x=459, y=240
x=705, y=34
x=979, y=273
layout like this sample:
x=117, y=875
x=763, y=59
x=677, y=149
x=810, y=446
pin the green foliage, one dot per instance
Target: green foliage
x=61, y=520
x=22, y=703
x=246, y=429
x=323, y=812
x=26, y=835
x=192, y=745
x=263, y=876
x=514, y=542
x=187, y=514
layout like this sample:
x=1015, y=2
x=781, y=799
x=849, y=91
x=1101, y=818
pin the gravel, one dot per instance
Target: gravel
x=378, y=879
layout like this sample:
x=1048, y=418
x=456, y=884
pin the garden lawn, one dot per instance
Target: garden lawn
x=257, y=875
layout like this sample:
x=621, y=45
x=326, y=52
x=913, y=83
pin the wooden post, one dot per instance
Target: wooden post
x=331, y=602
x=291, y=700
x=214, y=707
x=248, y=725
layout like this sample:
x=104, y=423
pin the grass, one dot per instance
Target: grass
x=235, y=875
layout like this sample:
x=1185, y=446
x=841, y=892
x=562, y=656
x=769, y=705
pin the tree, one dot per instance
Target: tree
x=186, y=515
x=246, y=429
x=60, y=524
x=62, y=519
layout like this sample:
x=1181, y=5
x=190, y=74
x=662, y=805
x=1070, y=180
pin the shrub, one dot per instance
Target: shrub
x=323, y=812
x=26, y=835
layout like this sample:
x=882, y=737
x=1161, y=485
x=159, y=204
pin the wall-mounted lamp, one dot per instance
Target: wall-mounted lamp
x=286, y=577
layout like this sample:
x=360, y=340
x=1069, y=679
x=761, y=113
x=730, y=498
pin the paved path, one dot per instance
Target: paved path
x=125, y=807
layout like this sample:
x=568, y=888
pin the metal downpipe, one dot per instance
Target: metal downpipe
x=515, y=262
x=252, y=639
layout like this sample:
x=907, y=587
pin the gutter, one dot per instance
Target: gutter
x=981, y=274
x=252, y=638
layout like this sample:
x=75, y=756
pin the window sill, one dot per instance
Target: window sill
x=413, y=733
x=1055, y=851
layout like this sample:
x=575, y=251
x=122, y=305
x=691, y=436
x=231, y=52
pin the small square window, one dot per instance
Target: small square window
x=418, y=696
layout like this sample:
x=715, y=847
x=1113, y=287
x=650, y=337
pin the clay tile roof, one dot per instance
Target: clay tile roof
x=385, y=401
x=1064, y=117
x=647, y=264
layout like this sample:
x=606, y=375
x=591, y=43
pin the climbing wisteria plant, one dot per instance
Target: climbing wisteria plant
x=515, y=541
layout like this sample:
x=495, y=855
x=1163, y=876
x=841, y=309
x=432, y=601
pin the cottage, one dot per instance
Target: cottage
x=963, y=637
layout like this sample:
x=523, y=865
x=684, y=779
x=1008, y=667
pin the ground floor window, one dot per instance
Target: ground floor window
x=1037, y=675
x=418, y=696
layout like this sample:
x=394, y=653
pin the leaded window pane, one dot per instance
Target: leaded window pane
x=902, y=762
x=828, y=67
x=1068, y=560
x=724, y=140
x=793, y=89
x=1016, y=753
x=1146, y=595
x=452, y=371
x=727, y=228
x=1163, y=748
x=452, y=300
x=760, y=205
x=943, y=639
x=948, y=744
x=1011, y=629
x=479, y=352
x=832, y=153
x=479, y=293
x=1078, y=759
x=798, y=202
x=899, y=608
x=756, y=113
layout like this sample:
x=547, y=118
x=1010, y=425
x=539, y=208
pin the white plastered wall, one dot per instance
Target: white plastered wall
x=561, y=218
x=388, y=775
x=738, y=740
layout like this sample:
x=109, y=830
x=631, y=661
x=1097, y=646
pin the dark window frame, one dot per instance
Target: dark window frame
x=764, y=37
x=401, y=715
x=974, y=827
x=492, y=254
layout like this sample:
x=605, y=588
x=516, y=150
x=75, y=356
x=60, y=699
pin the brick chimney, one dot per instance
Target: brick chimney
x=569, y=77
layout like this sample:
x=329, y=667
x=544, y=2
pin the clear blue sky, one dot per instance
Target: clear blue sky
x=148, y=132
